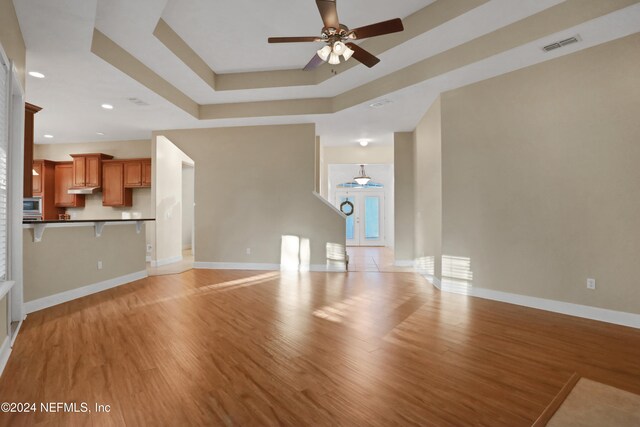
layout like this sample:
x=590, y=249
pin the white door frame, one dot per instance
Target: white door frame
x=359, y=195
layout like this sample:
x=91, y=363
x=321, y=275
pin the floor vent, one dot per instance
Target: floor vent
x=561, y=43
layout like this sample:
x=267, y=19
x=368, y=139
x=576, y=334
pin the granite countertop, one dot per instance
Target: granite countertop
x=71, y=221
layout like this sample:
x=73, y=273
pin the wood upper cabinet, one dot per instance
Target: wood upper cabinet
x=87, y=169
x=64, y=174
x=29, y=111
x=44, y=186
x=114, y=192
x=37, y=178
x=137, y=173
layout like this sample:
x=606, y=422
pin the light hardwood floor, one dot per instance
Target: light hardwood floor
x=265, y=348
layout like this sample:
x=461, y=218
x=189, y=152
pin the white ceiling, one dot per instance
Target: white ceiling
x=233, y=38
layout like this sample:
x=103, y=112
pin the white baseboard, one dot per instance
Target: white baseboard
x=236, y=266
x=5, y=352
x=165, y=261
x=585, y=311
x=404, y=263
x=50, y=301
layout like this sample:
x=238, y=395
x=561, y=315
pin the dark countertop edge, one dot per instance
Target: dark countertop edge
x=72, y=221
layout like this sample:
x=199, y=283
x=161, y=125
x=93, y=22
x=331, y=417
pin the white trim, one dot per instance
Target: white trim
x=631, y=320
x=404, y=263
x=5, y=287
x=236, y=266
x=588, y=312
x=166, y=261
x=5, y=352
x=62, y=297
x=17, y=330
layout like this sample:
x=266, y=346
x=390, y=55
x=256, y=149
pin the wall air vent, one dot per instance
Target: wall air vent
x=561, y=43
x=138, y=102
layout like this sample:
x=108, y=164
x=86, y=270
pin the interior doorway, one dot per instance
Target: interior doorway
x=365, y=215
x=188, y=202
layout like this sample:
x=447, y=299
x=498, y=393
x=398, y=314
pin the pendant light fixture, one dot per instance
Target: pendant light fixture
x=362, y=178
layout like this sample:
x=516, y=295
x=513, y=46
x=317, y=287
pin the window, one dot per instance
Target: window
x=4, y=150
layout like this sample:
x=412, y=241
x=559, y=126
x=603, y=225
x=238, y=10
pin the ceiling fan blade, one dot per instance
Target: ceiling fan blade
x=379, y=29
x=329, y=13
x=362, y=55
x=293, y=39
x=315, y=62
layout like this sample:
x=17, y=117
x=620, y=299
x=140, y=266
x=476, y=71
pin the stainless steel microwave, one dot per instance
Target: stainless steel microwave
x=32, y=207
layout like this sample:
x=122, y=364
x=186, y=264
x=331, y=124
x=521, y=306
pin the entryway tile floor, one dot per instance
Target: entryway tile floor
x=174, y=268
x=373, y=258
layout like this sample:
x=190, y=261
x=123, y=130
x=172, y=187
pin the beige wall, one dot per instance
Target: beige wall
x=118, y=149
x=11, y=38
x=253, y=185
x=541, y=177
x=355, y=154
x=67, y=258
x=168, y=199
x=404, y=196
x=428, y=191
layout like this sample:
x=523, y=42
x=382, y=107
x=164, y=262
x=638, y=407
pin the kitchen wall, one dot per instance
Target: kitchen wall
x=11, y=38
x=252, y=186
x=49, y=270
x=540, y=178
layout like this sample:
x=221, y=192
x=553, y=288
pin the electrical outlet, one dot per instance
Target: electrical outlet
x=248, y=251
x=99, y=265
x=591, y=284
x=149, y=247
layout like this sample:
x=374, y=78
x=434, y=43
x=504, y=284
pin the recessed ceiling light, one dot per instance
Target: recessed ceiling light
x=36, y=74
x=100, y=133
x=107, y=106
x=364, y=142
x=48, y=136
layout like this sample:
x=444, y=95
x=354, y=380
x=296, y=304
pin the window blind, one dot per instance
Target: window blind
x=4, y=149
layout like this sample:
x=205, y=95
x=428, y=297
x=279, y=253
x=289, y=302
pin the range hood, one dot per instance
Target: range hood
x=83, y=190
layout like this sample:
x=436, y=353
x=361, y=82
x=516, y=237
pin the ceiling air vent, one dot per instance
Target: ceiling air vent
x=137, y=101
x=561, y=43
x=379, y=103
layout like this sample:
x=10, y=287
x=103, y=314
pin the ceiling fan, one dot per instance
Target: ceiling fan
x=337, y=36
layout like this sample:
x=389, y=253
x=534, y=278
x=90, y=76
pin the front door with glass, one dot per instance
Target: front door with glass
x=365, y=225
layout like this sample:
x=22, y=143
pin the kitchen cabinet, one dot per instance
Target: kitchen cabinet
x=137, y=173
x=87, y=169
x=63, y=182
x=30, y=111
x=44, y=186
x=114, y=192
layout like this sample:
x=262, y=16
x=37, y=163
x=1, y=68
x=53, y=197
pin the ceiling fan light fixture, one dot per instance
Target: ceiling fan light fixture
x=339, y=48
x=347, y=53
x=324, y=53
x=334, y=58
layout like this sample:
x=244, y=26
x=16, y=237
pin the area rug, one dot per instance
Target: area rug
x=590, y=403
